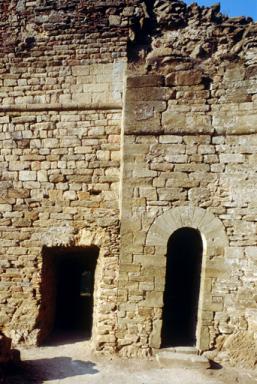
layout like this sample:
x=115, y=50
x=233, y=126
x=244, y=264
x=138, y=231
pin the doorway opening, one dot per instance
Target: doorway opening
x=67, y=293
x=182, y=287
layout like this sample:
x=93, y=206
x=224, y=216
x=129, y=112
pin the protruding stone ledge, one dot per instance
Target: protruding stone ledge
x=60, y=107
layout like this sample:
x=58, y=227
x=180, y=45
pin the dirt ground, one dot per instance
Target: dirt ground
x=73, y=363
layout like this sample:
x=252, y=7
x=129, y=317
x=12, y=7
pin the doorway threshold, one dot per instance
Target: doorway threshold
x=181, y=357
x=63, y=337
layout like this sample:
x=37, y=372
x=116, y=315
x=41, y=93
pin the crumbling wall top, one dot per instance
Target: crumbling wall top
x=167, y=30
x=197, y=34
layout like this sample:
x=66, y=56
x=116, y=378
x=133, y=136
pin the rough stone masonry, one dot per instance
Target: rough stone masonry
x=122, y=122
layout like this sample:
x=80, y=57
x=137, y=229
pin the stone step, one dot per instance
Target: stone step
x=183, y=349
x=169, y=358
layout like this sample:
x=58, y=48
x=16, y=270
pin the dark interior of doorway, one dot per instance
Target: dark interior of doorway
x=67, y=294
x=181, y=296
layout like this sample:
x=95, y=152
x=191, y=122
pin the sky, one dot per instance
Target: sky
x=232, y=8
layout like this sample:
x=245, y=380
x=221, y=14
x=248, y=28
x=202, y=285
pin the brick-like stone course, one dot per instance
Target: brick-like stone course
x=121, y=122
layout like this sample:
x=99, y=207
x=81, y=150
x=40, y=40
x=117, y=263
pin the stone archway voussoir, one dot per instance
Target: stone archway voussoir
x=209, y=225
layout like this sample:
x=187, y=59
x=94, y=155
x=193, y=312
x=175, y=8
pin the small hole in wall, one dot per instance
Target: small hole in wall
x=207, y=82
x=94, y=192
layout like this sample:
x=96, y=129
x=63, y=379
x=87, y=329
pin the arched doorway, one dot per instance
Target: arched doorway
x=182, y=286
x=214, y=240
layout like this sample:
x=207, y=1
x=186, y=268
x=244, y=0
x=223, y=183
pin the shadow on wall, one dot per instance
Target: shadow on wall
x=41, y=370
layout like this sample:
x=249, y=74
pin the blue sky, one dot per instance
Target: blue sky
x=232, y=7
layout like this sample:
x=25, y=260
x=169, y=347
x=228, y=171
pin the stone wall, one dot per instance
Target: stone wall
x=60, y=175
x=61, y=81
x=178, y=149
x=189, y=156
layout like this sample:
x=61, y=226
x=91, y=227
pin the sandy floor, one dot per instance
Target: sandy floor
x=72, y=363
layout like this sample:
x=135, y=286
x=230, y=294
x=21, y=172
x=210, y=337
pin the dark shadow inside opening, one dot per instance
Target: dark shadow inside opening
x=181, y=296
x=67, y=293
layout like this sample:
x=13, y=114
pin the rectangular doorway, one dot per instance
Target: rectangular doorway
x=67, y=291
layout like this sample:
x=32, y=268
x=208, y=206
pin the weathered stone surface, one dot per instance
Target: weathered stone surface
x=188, y=78
x=120, y=123
x=145, y=81
x=242, y=349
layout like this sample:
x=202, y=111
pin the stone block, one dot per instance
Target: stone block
x=232, y=158
x=5, y=207
x=149, y=94
x=4, y=119
x=251, y=252
x=55, y=195
x=147, y=286
x=155, y=336
x=199, y=123
x=176, y=158
x=234, y=73
x=50, y=143
x=173, y=122
x=80, y=70
x=149, y=260
x=192, y=77
x=42, y=176
x=114, y=20
x=28, y=175
x=144, y=173
x=170, y=194
x=203, y=343
x=24, y=100
x=199, y=195
x=169, y=358
x=150, y=126
x=170, y=139
x=153, y=300
x=148, y=192
x=145, y=81
x=235, y=124
x=69, y=195
x=129, y=267
x=213, y=306
x=82, y=98
x=234, y=253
